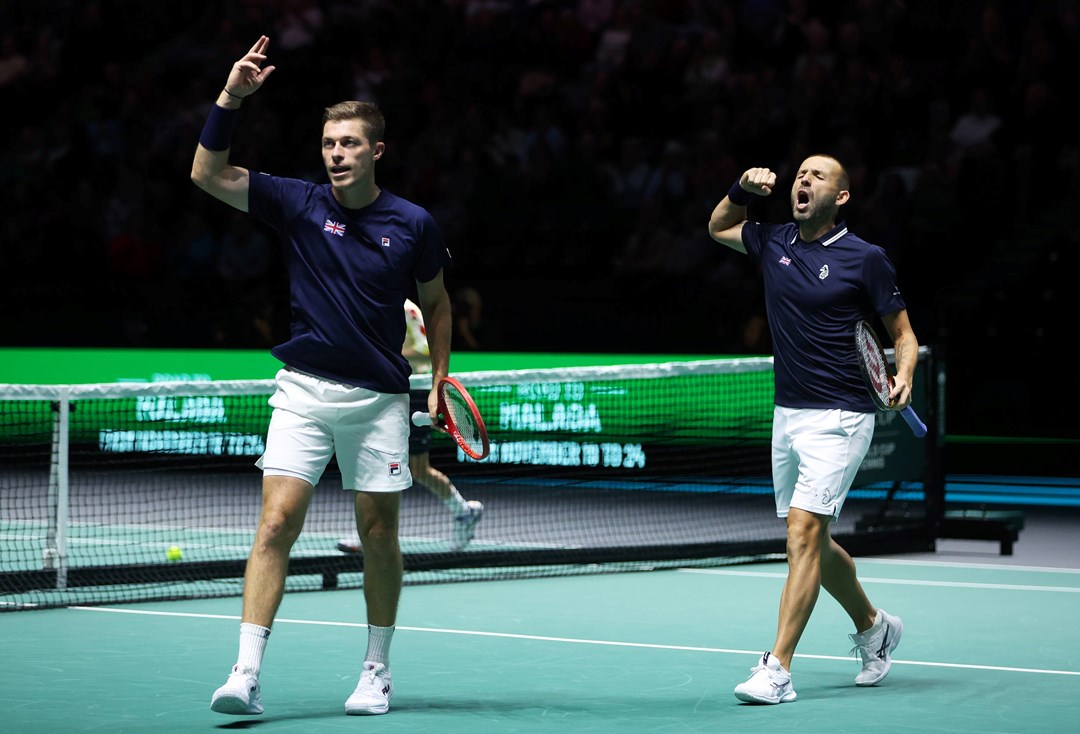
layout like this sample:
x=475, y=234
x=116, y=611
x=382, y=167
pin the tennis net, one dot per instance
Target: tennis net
x=592, y=469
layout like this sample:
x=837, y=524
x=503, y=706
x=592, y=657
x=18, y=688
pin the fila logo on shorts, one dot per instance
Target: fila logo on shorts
x=394, y=468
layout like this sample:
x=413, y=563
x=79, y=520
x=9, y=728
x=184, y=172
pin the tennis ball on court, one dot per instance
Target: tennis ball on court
x=174, y=553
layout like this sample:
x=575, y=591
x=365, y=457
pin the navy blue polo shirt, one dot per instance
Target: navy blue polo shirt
x=350, y=271
x=814, y=294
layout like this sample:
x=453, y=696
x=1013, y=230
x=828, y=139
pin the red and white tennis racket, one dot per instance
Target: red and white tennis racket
x=460, y=418
x=879, y=380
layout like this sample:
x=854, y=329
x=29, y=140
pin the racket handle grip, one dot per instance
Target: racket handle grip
x=420, y=419
x=913, y=421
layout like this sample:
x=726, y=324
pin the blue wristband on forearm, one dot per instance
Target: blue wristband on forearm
x=739, y=196
x=218, y=130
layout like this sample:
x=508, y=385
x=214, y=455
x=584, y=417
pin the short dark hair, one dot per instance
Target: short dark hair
x=843, y=179
x=369, y=114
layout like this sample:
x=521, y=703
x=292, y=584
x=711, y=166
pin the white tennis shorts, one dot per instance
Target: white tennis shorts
x=815, y=457
x=314, y=419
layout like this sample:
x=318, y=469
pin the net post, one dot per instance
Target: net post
x=54, y=554
x=935, y=468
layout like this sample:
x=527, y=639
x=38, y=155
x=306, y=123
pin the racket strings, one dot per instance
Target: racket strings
x=462, y=417
x=876, y=368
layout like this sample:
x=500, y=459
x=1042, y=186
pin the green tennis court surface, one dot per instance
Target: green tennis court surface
x=986, y=649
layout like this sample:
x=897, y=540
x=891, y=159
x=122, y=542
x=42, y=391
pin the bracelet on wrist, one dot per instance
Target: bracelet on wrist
x=238, y=96
x=739, y=196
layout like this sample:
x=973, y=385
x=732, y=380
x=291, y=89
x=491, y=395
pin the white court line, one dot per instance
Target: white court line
x=576, y=641
x=895, y=582
x=967, y=564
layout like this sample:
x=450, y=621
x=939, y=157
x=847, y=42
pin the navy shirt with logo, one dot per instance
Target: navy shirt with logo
x=815, y=292
x=350, y=271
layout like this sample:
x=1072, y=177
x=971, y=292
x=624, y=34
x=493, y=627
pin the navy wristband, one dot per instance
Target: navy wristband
x=218, y=130
x=739, y=196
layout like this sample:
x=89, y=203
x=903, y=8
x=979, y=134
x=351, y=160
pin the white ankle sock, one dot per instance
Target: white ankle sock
x=873, y=628
x=252, y=646
x=378, y=645
x=455, y=501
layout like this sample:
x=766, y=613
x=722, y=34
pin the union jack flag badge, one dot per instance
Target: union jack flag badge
x=334, y=228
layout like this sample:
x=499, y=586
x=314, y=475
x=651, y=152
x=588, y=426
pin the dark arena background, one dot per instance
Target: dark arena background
x=629, y=560
x=571, y=152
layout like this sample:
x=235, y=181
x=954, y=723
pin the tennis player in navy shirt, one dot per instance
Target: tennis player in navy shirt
x=820, y=279
x=354, y=252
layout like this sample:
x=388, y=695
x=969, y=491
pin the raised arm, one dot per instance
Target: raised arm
x=210, y=170
x=725, y=224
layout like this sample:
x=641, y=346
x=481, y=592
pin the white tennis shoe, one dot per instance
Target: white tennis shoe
x=875, y=647
x=768, y=683
x=373, y=692
x=241, y=695
x=465, y=524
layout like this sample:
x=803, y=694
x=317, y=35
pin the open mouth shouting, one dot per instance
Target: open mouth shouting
x=802, y=200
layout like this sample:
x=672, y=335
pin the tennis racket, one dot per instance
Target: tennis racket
x=875, y=370
x=459, y=417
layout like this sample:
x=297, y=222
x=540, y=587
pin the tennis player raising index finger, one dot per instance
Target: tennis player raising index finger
x=820, y=280
x=354, y=252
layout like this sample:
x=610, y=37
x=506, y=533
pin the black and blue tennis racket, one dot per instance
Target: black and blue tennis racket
x=879, y=380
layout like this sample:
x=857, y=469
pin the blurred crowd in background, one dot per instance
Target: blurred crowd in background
x=571, y=151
